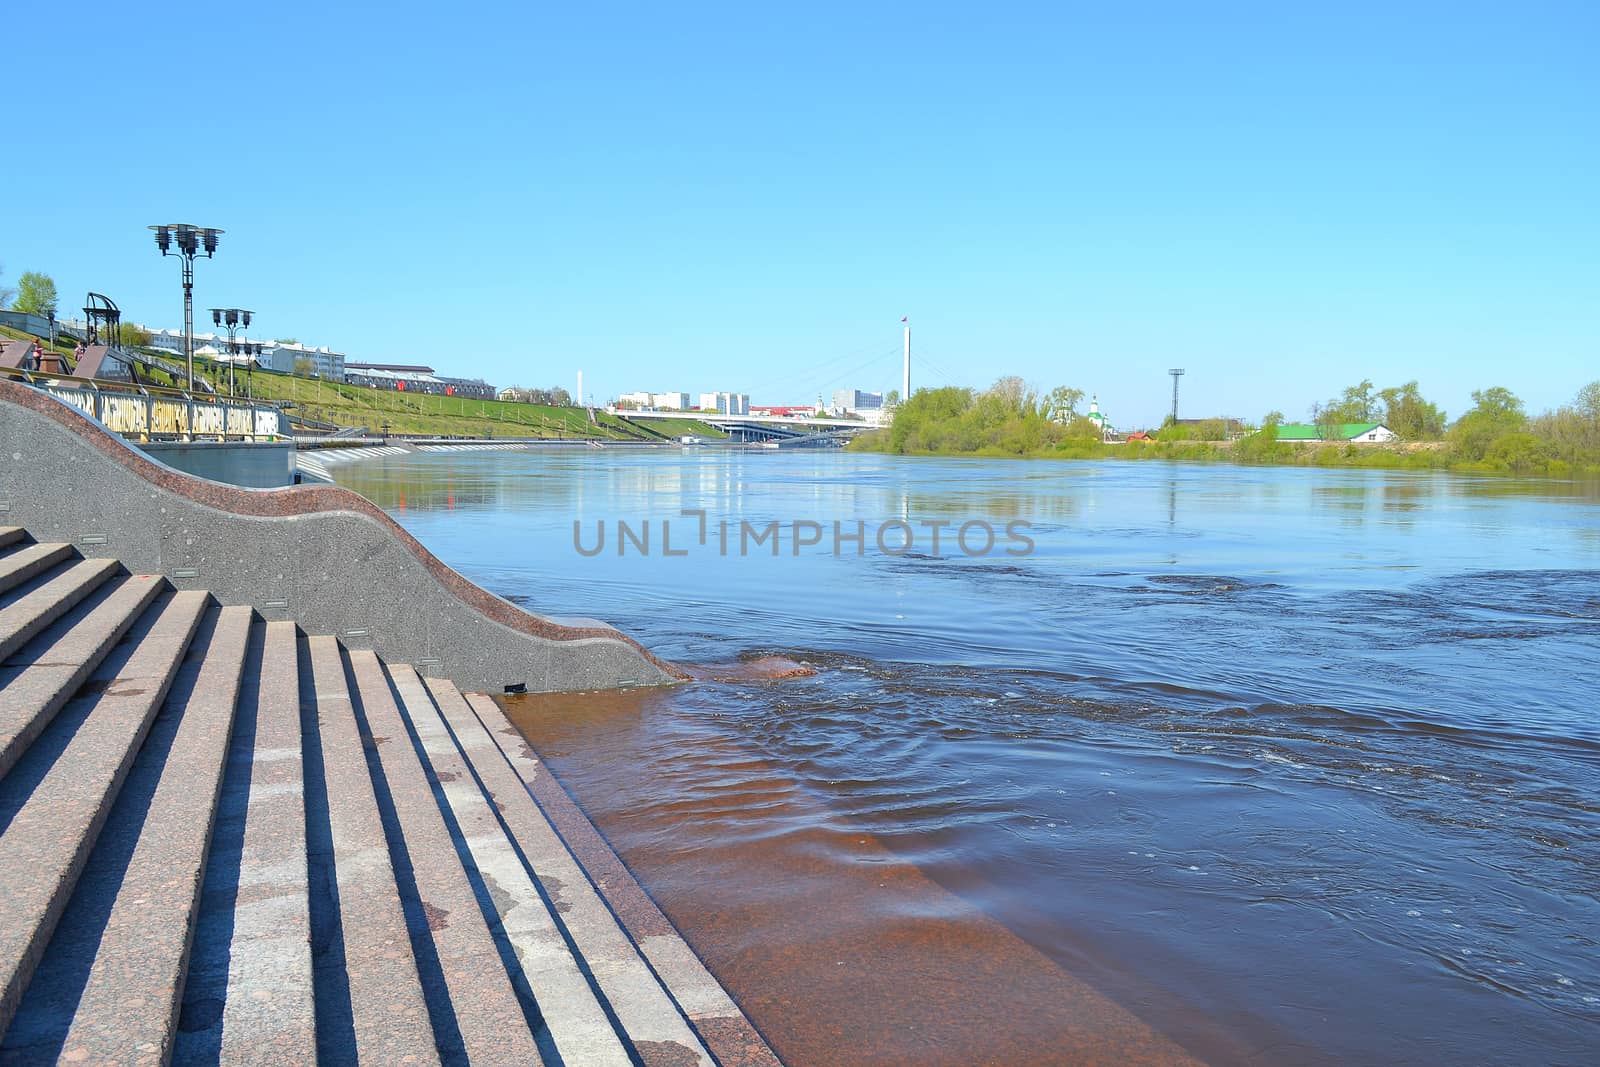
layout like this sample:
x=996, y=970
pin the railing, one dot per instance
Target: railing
x=146, y=413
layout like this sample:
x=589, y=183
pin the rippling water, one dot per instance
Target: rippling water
x=1288, y=766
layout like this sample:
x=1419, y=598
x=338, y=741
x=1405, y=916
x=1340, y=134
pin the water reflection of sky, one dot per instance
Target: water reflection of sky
x=1284, y=732
x=1328, y=576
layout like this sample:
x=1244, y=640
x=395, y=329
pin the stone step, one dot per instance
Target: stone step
x=645, y=1011
x=724, y=1028
x=39, y=679
x=370, y=952
x=145, y=949
x=248, y=994
x=119, y=873
x=55, y=799
x=18, y=566
x=476, y=1012
x=223, y=842
x=576, y=1021
x=28, y=615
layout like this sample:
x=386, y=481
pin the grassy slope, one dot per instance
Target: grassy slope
x=679, y=427
x=415, y=413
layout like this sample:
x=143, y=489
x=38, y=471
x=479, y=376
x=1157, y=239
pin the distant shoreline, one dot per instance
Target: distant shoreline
x=1415, y=456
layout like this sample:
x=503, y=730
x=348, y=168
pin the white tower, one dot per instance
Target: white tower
x=905, y=378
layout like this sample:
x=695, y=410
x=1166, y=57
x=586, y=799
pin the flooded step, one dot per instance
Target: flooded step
x=476, y=1014
x=38, y=681
x=57, y=796
x=646, y=1012
x=247, y=998
x=30, y=560
x=369, y=954
x=720, y=1022
x=28, y=615
x=576, y=1022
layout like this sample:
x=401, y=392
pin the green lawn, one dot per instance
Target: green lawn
x=416, y=413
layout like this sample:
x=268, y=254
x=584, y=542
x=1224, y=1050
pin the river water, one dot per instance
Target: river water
x=1250, y=765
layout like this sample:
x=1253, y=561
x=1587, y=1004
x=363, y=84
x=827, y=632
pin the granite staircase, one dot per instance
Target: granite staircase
x=225, y=841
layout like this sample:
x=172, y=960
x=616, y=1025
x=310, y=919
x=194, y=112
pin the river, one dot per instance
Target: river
x=1253, y=765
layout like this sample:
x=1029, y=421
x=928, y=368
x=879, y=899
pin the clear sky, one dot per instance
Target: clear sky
x=745, y=196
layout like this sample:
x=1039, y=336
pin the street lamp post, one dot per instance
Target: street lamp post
x=185, y=241
x=231, y=319
x=252, y=351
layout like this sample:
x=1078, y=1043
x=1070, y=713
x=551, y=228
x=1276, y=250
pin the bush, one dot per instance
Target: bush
x=1521, y=453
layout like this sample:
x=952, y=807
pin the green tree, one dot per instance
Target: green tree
x=1500, y=404
x=1012, y=394
x=1572, y=433
x=36, y=294
x=132, y=336
x=1587, y=402
x=1328, y=419
x=1494, y=412
x=304, y=368
x=1062, y=404
x=1409, y=415
x=1522, y=453
x=1273, y=419
x=1358, y=404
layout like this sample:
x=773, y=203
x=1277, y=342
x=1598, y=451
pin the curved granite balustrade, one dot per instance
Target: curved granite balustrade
x=323, y=556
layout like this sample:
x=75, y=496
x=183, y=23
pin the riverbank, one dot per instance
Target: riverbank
x=1495, y=436
x=1254, y=450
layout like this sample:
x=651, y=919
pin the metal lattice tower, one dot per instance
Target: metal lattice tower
x=1176, y=372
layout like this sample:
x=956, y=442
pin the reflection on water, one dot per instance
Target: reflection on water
x=1292, y=765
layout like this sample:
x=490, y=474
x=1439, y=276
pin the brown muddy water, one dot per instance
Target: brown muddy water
x=1243, y=765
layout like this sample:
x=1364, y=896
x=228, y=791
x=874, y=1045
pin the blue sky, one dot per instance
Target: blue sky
x=1281, y=200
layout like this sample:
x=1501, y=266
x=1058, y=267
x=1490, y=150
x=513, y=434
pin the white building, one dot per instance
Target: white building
x=275, y=355
x=855, y=401
x=1360, y=433
x=325, y=363
x=726, y=403
x=1098, y=417
x=656, y=401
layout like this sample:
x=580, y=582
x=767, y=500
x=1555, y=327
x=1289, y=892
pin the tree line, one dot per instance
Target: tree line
x=555, y=396
x=1009, y=417
x=1495, y=434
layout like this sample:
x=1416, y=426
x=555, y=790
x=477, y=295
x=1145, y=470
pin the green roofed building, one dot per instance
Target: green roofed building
x=1361, y=433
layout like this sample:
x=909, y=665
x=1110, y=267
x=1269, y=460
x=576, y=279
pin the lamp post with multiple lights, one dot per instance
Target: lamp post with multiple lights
x=252, y=352
x=231, y=319
x=185, y=241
